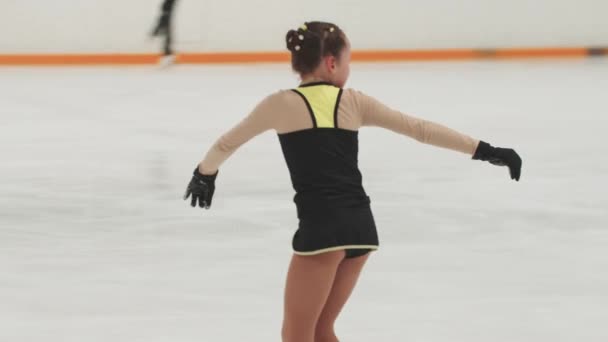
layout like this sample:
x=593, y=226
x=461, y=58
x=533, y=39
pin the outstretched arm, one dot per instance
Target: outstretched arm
x=257, y=122
x=375, y=113
x=202, y=185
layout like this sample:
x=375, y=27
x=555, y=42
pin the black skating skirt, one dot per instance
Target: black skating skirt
x=349, y=229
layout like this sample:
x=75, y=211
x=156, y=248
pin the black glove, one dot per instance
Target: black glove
x=201, y=187
x=499, y=156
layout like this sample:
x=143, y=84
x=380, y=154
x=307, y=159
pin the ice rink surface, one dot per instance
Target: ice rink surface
x=96, y=244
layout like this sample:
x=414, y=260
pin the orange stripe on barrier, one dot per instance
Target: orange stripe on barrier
x=79, y=59
x=541, y=53
x=462, y=54
x=283, y=57
x=412, y=55
x=232, y=57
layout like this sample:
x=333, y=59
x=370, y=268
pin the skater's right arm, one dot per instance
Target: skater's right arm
x=258, y=121
x=202, y=185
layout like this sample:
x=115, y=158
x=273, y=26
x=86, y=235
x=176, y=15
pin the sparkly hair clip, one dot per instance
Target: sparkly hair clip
x=301, y=38
x=331, y=29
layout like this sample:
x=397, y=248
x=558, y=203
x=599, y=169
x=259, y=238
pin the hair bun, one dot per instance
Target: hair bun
x=311, y=42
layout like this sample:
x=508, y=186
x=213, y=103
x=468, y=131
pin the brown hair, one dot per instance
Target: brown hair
x=313, y=41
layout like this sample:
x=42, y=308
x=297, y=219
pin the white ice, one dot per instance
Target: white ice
x=96, y=244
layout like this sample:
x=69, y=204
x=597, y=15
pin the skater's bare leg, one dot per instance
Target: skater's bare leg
x=309, y=282
x=344, y=283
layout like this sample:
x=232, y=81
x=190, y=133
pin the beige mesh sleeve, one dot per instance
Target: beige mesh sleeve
x=257, y=122
x=375, y=113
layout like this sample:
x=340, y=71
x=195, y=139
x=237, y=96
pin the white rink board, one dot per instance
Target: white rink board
x=118, y=26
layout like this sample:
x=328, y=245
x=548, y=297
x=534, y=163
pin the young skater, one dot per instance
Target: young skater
x=317, y=125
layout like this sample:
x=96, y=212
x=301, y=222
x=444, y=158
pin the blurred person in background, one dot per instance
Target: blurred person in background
x=163, y=28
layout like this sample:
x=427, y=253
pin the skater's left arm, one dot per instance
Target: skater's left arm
x=375, y=113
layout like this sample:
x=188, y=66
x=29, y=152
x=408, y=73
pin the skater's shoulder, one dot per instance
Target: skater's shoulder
x=354, y=93
x=282, y=97
x=274, y=102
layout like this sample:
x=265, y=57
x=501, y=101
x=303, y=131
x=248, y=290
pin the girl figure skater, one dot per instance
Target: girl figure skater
x=317, y=125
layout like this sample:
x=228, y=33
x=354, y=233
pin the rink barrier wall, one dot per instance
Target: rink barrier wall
x=280, y=57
